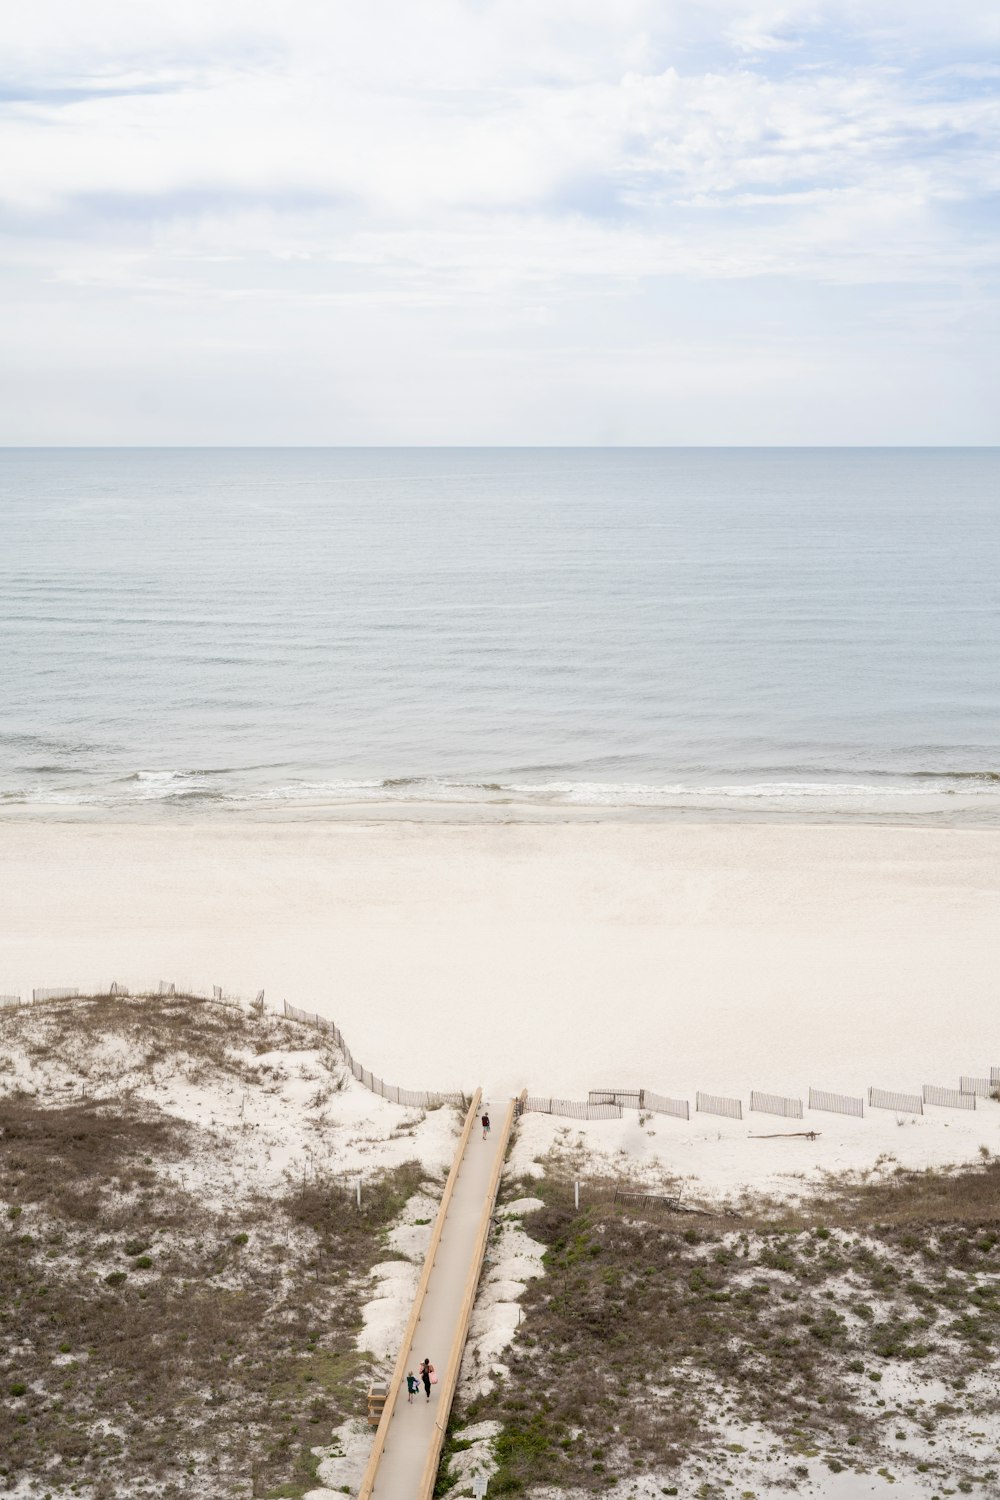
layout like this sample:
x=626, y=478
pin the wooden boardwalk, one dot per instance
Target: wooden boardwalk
x=407, y=1447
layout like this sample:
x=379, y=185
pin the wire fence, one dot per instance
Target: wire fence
x=908, y=1104
x=717, y=1104
x=948, y=1098
x=775, y=1104
x=840, y=1104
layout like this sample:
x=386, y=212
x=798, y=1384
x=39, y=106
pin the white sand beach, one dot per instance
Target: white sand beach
x=562, y=956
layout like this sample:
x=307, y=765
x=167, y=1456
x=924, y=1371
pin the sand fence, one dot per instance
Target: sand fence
x=600, y=1104
x=414, y=1098
x=718, y=1104
x=900, y=1104
x=840, y=1104
x=610, y=1103
x=948, y=1098
x=775, y=1104
x=572, y=1109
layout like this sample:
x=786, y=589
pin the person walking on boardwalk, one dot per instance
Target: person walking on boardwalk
x=427, y=1375
x=412, y=1387
x=486, y=1124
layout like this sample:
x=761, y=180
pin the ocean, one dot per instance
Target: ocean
x=720, y=633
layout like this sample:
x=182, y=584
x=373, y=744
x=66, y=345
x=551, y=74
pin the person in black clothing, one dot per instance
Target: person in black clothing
x=426, y=1371
x=486, y=1124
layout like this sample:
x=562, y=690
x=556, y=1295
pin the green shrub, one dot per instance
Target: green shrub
x=115, y=1278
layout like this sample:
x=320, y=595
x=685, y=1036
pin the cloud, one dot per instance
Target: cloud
x=480, y=165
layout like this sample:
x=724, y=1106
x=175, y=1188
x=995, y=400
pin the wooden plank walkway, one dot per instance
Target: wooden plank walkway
x=407, y=1446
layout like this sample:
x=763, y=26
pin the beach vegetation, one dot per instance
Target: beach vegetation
x=221, y=1366
x=646, y=1331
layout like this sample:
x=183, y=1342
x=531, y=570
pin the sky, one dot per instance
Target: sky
x=499, y=222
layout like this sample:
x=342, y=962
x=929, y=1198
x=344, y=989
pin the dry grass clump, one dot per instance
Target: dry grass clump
x=908, y=1197
x=648, y=1327
x=71, y=1157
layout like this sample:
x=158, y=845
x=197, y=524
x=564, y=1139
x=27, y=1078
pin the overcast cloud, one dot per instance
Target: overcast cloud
x=529, y=221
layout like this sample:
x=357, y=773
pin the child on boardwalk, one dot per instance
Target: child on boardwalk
x=486, y=1124
x=412, y=1387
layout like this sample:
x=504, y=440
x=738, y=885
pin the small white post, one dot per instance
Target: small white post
x=359, y=1192
x=576, y=1194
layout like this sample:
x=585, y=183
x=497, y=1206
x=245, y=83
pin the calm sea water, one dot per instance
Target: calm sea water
x=771, y=630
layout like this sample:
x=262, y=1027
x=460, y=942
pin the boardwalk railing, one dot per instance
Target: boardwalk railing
x=948, y=1098
x=449, y=1385
x=717, y=1104
x=775, y=1104
x=909, y=1104
x=378, y=1446
x=415, y=1098
x=840, y=1104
